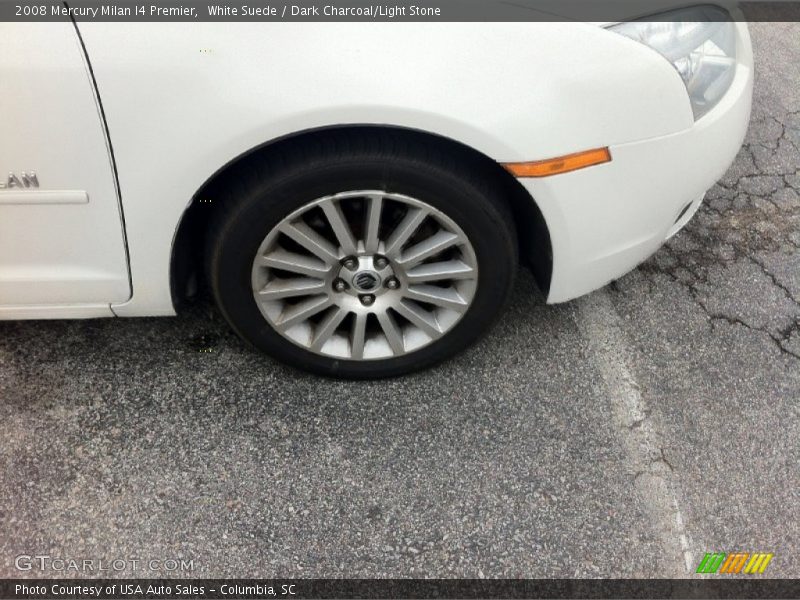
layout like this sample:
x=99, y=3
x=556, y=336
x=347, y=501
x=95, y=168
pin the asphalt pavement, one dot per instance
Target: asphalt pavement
x=621, y=435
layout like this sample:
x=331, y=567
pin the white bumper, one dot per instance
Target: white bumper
x=605, y=220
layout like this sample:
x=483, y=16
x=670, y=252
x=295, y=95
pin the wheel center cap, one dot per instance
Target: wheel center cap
x=366, y=281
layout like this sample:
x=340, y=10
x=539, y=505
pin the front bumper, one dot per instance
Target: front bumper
x=605, y=220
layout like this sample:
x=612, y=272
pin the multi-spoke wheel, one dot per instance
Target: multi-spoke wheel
x=365, y=275
x=363, y=264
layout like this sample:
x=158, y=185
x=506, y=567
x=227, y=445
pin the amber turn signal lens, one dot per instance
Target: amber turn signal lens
x=562, y=164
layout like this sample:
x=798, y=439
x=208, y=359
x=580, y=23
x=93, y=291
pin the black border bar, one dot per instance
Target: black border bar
x=376, y=10
x=135, y=589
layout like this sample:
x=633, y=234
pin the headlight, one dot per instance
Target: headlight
x=700, y=42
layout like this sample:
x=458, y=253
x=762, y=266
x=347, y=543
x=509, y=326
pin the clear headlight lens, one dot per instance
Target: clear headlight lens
x=700, y=42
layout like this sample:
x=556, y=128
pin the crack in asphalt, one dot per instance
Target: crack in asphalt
x=779, y=339
x=774, y=280
x=754, y=208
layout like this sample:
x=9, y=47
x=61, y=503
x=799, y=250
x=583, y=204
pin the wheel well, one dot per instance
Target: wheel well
x=187, y=259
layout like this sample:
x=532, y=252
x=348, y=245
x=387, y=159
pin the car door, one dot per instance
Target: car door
x=62, y=242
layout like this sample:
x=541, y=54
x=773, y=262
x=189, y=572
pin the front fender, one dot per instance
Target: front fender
x=182, y=100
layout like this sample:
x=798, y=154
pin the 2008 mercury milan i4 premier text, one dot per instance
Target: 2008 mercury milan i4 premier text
x=356, y=197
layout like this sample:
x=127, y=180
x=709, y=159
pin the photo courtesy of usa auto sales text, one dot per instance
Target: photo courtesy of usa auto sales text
x=123, y=589
x=127, y=589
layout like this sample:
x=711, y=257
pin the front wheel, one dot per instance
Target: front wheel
x=365, y=262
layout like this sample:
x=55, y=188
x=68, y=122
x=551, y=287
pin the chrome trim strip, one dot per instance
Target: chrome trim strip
x=39, y=197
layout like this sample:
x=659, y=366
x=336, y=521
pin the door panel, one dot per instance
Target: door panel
x=61, y=234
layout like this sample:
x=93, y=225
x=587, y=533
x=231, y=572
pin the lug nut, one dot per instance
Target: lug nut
x=350, y=263
x=368, y=300
x=381, y=262
x=392, y=283
x=340, y=285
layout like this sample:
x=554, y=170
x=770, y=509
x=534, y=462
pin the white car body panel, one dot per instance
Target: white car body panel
x=183, y=100
x=62, y=248
x=607, y=219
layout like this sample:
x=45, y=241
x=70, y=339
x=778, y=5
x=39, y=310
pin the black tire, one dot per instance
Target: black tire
x=266, y=191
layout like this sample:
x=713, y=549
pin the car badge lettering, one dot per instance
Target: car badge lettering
x=26, y=179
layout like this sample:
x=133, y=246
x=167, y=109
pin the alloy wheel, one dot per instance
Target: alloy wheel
x=364, y=275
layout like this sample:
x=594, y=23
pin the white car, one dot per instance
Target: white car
x=357, y=197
